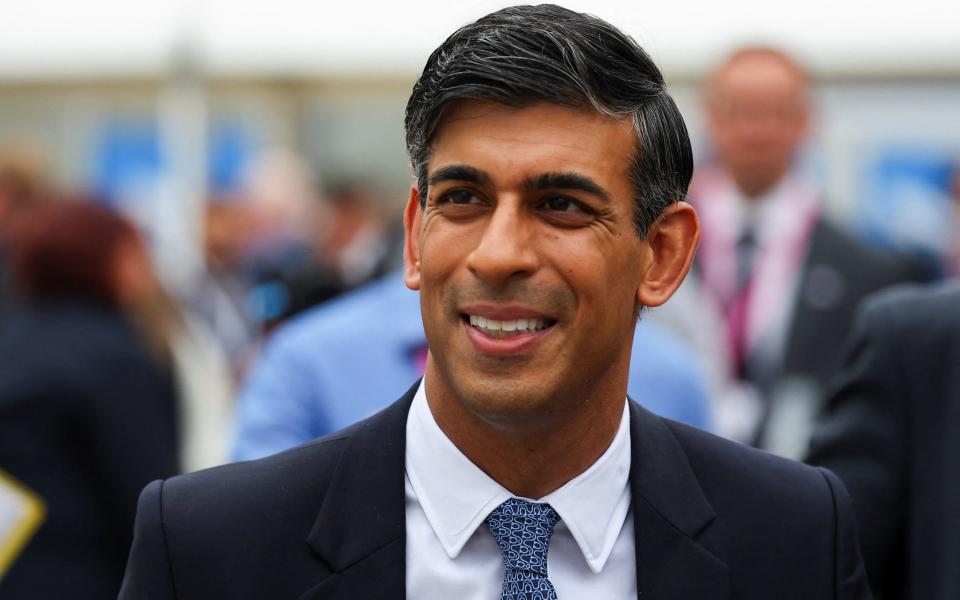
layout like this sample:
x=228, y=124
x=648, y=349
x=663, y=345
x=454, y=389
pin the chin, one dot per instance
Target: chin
x=502, y=403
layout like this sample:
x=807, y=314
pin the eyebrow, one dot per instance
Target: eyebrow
x=460, y=173
x=567, y=181
x=546, y=181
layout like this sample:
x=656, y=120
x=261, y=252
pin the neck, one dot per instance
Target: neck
x=753, y=186
x=534, y=455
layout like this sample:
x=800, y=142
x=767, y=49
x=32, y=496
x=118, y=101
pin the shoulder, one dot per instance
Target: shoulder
x=914, y=327
x=833, y=244
x=660, y=344
x=369, y=308
x=57, y=324
x=289, y=486
x=221, y=530
x=667, y=379
x=828, y=234
x=910, y=306
x=217, y=532
x=247, y=491
x=41, y=347
x=747, y=489
x=732, y=472
x=777, y=519
x=768, y=519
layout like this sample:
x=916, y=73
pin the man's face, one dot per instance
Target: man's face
x=758, y=117
x=526, y=257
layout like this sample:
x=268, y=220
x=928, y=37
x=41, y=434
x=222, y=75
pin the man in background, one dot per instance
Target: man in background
x=784, y=280
x=891, y=431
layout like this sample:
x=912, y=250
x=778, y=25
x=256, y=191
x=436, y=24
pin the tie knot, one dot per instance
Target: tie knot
x=522, y=529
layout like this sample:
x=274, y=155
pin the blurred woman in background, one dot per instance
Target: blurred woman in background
x=87, y=412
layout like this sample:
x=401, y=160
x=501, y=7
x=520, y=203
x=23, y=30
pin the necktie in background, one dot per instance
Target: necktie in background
x=737, y=313
x=746, y=251
x=522, y=529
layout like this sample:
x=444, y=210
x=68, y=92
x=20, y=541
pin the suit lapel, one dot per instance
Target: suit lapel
x=803, y=339
x=360, y=529
x=670, y=512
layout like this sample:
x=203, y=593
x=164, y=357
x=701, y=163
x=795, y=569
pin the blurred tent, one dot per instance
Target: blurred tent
x=51, y=38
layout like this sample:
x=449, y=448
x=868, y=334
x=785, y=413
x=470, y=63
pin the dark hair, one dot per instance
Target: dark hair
x=522, y=55
x=67, y=250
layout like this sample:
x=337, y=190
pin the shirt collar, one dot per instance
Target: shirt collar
x=456, y=496
x=759, y=213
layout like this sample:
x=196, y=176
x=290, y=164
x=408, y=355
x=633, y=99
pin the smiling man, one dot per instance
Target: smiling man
x=550, y=168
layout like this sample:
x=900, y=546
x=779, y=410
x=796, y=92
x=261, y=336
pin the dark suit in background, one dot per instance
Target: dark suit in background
x=86, y=420
x=838, y=272
x=891, y=431
x=713, y=520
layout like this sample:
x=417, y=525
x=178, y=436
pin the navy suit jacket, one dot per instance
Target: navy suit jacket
x=714, y=520
x=891, y=431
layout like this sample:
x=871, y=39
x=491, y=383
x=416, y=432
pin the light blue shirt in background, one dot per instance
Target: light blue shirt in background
x=345, y=360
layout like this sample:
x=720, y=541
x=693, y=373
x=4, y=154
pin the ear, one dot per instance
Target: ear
x=673, y=241
x=412, y=224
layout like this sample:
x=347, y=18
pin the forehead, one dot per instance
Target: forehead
x=543, y=137
x=756, y=75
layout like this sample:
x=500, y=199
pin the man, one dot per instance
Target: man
x=784, y=279
x=891, y=431
x=313, y=377
x=550, y=162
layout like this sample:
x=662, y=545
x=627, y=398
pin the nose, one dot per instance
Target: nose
x=506, y=247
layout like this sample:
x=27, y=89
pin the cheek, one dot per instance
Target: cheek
x=443, y=253
x=440, y=249
x=600, y=274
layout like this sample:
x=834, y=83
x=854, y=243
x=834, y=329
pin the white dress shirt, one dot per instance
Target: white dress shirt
x=452, y=555
x=771, y=216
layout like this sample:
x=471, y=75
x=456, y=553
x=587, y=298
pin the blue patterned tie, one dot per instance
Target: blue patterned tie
x=522, y=530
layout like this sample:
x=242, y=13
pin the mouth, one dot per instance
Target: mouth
x=506, y=328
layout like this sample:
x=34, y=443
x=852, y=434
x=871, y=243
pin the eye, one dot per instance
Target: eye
x=459, y=197
x=563, y=204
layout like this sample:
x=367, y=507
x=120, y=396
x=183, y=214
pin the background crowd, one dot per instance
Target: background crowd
x=175, y=296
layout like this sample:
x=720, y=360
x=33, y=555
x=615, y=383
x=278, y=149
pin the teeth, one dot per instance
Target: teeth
x=518, y=325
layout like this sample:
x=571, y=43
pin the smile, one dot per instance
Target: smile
x=502, y=329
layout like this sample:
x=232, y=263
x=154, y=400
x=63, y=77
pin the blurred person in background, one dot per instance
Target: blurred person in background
x=201, y=371
x=891, y=432
x=351, y=244
x=87, y=412
x=783, y=280
x=358, y=244
x=343, y=361
x=264, y=229
x=220, y=295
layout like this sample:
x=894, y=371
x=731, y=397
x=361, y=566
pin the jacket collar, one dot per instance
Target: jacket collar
x=670, y=512
x=367, y=559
